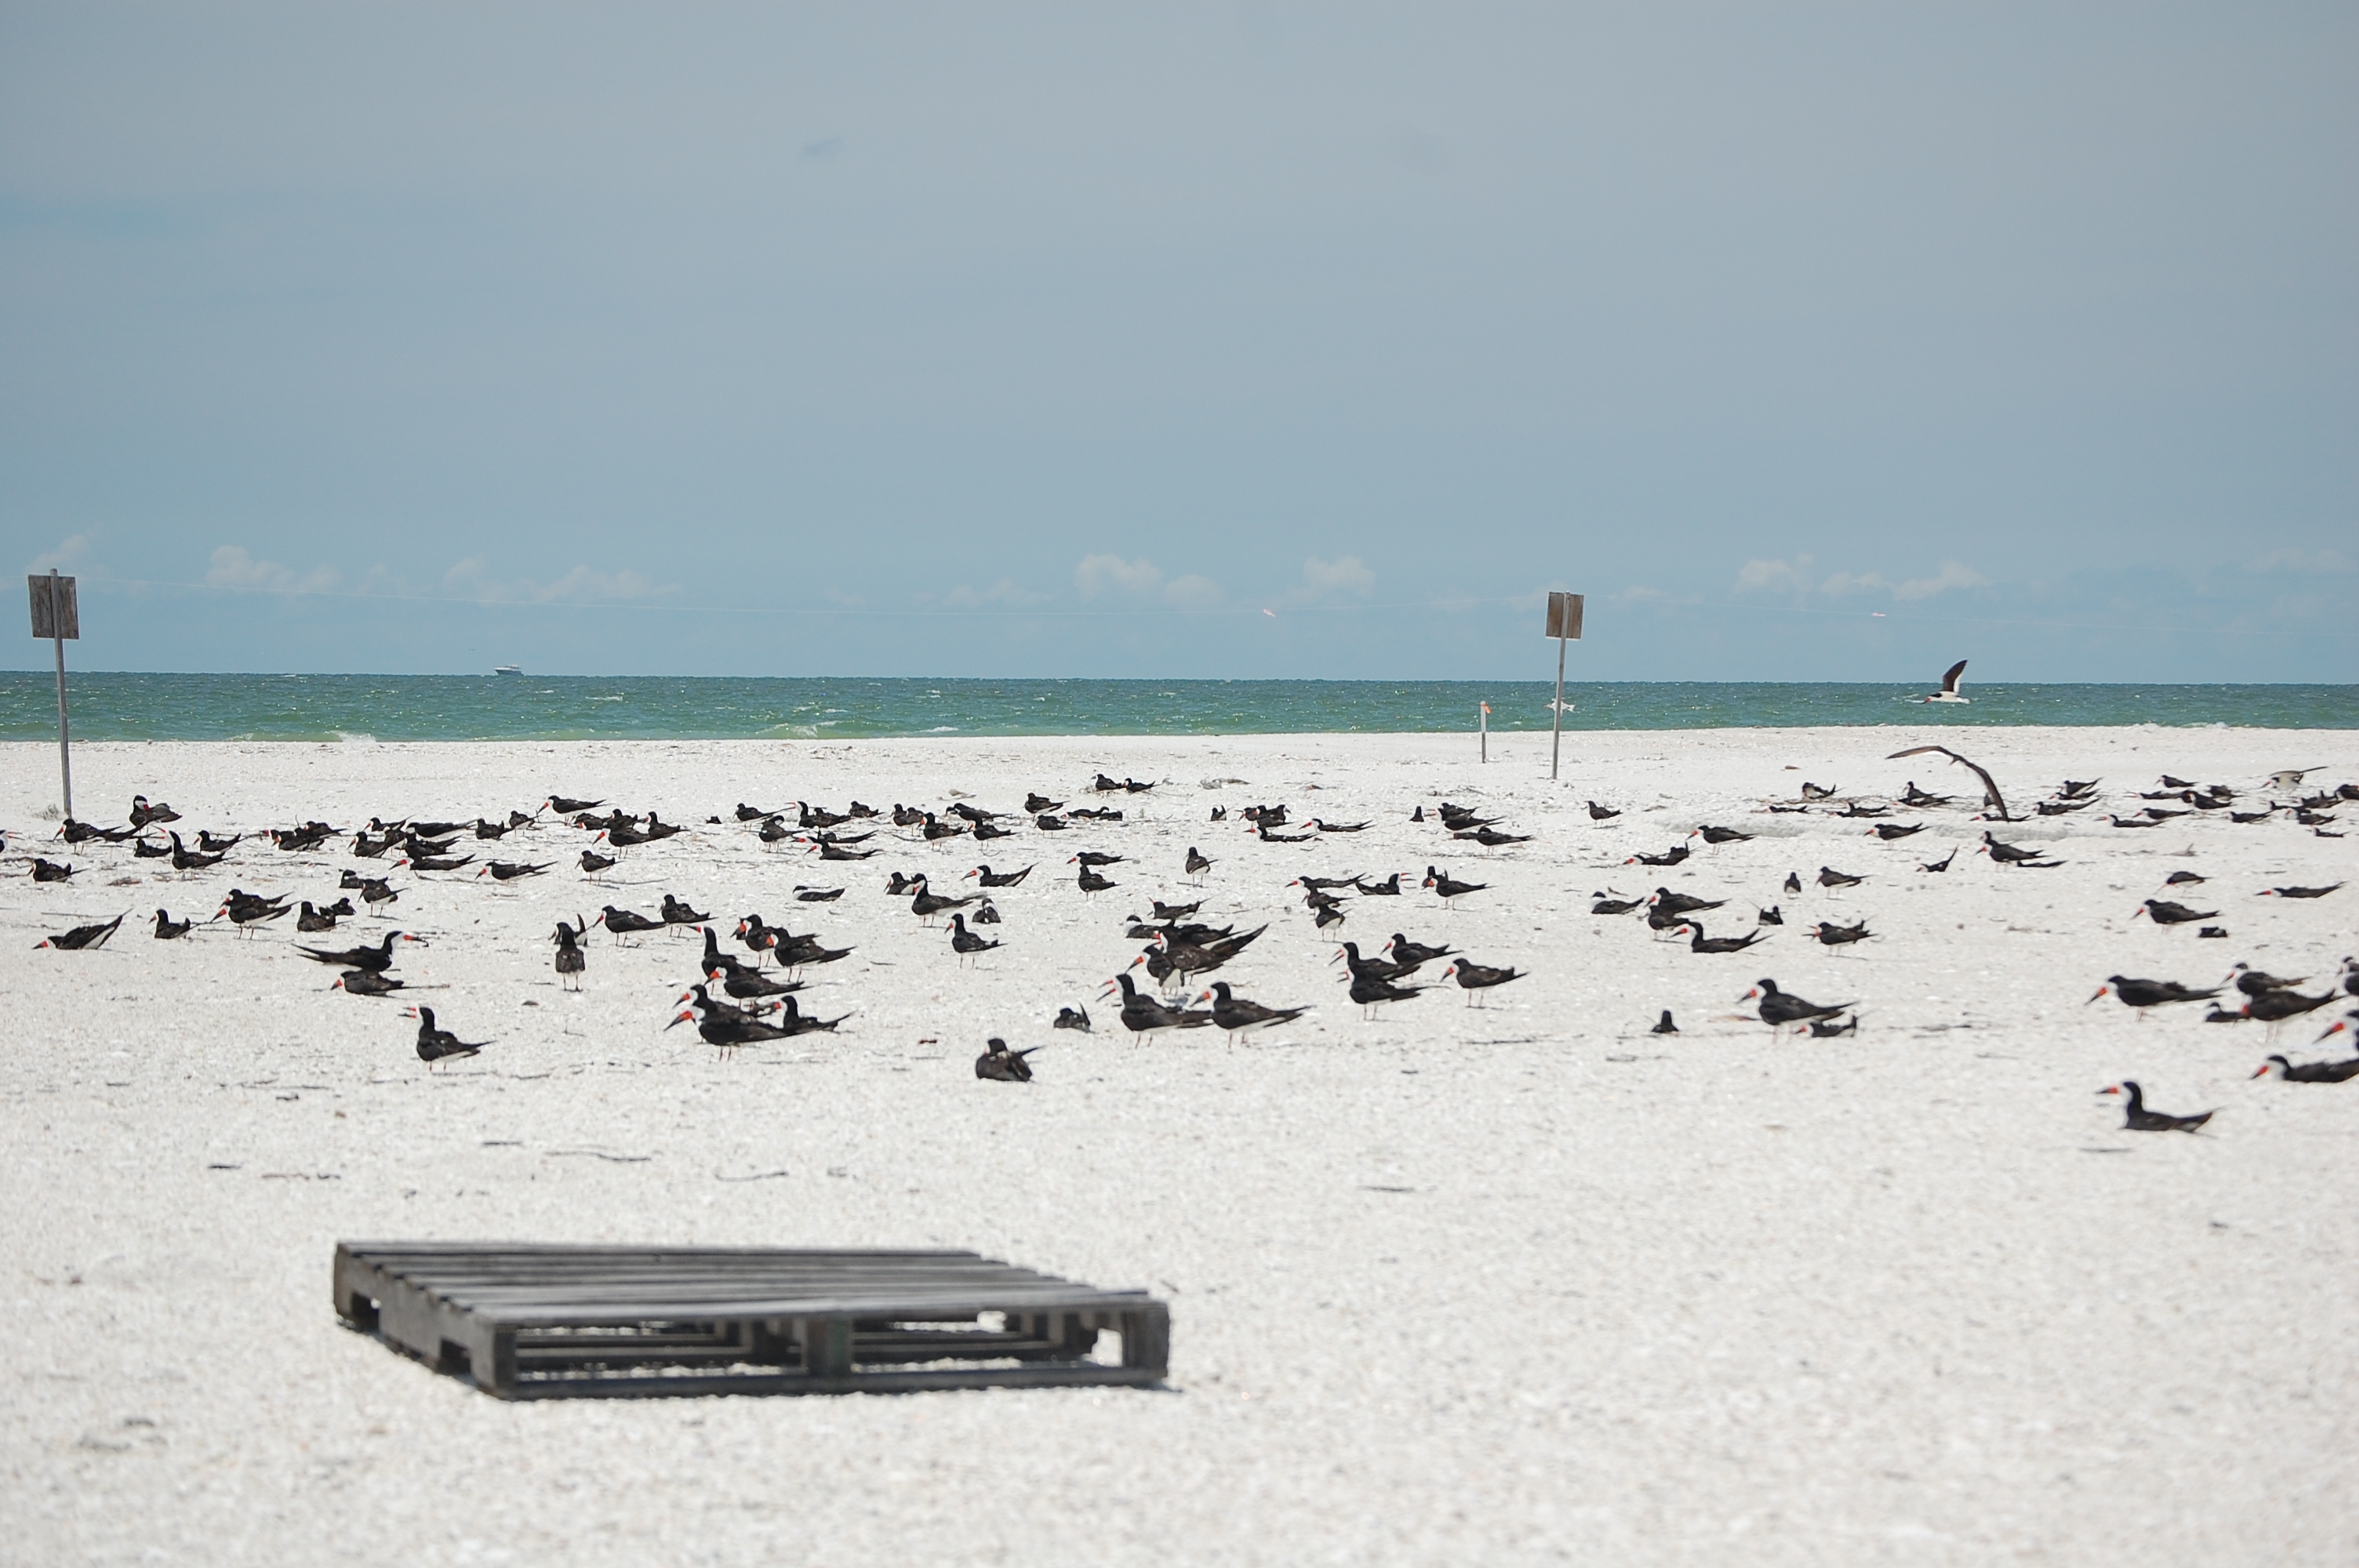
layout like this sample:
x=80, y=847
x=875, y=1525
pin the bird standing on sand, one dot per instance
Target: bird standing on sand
x=1474, y=978
x=1142, y=1014
x=1449, y=887
x=2137, y=1118
x=1197, y=863
x=965, y=943
x=570, y=961
x=1234, y=1012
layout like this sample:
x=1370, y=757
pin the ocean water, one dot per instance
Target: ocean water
x=568, y=708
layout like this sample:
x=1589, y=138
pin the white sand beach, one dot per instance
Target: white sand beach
x=1522, y=1282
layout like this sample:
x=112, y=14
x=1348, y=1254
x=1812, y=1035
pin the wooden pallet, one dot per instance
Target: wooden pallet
x=529, y=1321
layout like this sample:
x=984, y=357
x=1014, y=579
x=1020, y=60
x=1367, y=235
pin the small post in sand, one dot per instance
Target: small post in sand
x=1486, y=722
x=57, y=617
x=1564, y=626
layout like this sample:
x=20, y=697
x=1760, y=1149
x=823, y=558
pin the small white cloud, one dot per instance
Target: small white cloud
x=467, y=580
x=1844, y=583
x=1774, y=577
x=1345, y=574
x=1192, y=592
x=1951, y=575
x=68, y=555
x=2308, y=563
x=1100, y=575
x=233, y=566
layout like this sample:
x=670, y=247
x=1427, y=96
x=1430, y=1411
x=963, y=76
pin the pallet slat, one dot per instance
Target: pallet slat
x=538, y=1320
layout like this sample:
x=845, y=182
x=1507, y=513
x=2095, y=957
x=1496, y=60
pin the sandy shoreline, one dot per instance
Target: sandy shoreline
x=1521, y=1283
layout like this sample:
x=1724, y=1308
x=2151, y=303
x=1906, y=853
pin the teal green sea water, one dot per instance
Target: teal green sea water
x=565, y=707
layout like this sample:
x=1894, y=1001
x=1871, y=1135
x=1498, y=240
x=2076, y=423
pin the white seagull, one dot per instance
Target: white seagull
x=1949, y=692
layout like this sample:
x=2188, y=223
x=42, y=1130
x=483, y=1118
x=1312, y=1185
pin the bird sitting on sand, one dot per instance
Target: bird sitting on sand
x=81, y=938
x=2298, y=892
x=374, y=960
x=1825, y=1029
x=361, y=982
x=1830, y=878
x=2143, y=994
x=1779, y=1008
x=512, y=871
x=1888, y=831
x=439, y=1044
x=2137, y=1118
x=2312, y=1072
x=1073, y=1017
x=1664, y=1025
x=1702, y=944
x=1834, y=936
x=50, y=871
x=1001, y=1065
x=1940, y=865
x=2163, y=911
x=169, y=929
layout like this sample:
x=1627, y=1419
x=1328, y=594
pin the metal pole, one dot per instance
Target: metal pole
x=1487, y=732
x=65, y=757
x=1555, y=741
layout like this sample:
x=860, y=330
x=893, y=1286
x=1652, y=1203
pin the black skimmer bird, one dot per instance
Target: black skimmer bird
x=1664, y=1025
x=1447, y=887
x=1348, y=954
x=1772, y=915
x=1830, y=878
x=376, y=892
x=1615, y=905
x=1473, y=978
x=595, y=864
x=1603, y=813
x=816, y=895
x=2137, y=1118
x=1793, y=882
x=169, y=930
x=1091, y=882
x=1413, y=954
x=143, y=814
x=1779, y=1008
x=2062, y=807
x=2298, y=892
x=1671, y=857
x=728, y=1034
x=440, y=1044
x=364, y=982
x=1388, y=888
x=2184, y=879
x=1949, y=692
x=1166, y=912
x=2143, y=994
x=1197, y=863
x=2253, y=981
x=1711, y=835
x=2277, y=1006
x=187, y=859
x=1913, y=797
x=1991, y=796
x=2163, y=911
x=1234, y=1012
x=49, y=871
x=1073, y=1017
x=1834, y=936
x=571, y=961
x=965, y=943
x=1001, y=1065
x=623, y=923
x=991, y=879
x=1142, y=1014
x=1857, y=809
x=1491, y=837
x=1671, y=902
x=986, y=913
x=150, y=849
x=1824, y=1029
x=1817, y=792
x=1888, y=831
x=436, y=862
x=676, y=913
x=926, y=903
x=1036, y=802
x=374, y=960
x=75, y=832
x=2312, y=1072
x=246, y=911
x=1369, y=992
x=511, y=870
x=1703, y=944
x=312, y=922
x=1327, y=915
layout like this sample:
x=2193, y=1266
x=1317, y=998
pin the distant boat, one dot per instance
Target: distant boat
x=507, y=669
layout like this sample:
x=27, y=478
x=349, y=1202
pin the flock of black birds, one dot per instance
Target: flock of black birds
x=750, y=999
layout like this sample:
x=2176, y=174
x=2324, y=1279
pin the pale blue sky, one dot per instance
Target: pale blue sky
x=1009, y=339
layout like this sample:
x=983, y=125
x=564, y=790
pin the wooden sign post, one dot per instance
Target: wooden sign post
x=57, y=617
x=1564, y=626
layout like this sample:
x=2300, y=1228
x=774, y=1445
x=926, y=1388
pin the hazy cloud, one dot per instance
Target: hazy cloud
x=467, y=580
x=1346, y=574
x=1003, y=593
x=1098, y=575
x=233, y=566
x=69, y=554
x=1774, y=577
x=1192, y=592
x=1951, y=575
x=1794, y=577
